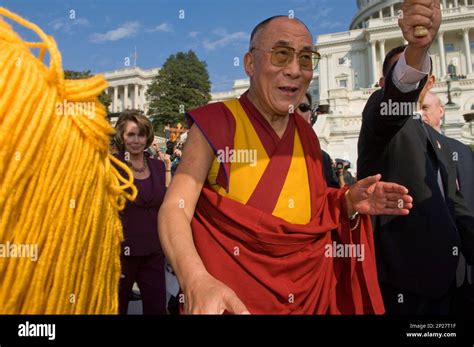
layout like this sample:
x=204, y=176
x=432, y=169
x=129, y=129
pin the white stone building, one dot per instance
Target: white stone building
x=128, y=87
x=239, y=87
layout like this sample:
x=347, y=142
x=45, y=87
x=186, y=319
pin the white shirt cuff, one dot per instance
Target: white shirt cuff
x=407, y=78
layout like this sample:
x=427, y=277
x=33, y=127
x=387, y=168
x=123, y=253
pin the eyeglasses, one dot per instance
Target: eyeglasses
x=282, y=56
x=304, y=107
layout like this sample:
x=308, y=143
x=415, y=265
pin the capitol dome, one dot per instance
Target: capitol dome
x=370, y=9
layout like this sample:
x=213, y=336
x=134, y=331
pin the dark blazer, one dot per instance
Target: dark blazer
x=415, y=252
x=139, y=218
x=463, y=158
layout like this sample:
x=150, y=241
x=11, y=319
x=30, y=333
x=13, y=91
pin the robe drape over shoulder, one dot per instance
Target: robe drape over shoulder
x=266, y=223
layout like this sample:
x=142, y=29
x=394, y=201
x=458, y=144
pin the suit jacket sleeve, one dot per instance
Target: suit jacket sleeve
x=380, y=122
x=388, y=114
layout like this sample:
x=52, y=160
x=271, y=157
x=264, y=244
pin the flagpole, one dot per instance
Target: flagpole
x=135, y=58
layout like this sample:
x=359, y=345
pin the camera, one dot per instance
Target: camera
x=342, y=164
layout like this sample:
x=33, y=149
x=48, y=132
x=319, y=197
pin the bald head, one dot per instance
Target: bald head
x=435, y=98
x=262, y=27
x=432, y=110
x=277, y=80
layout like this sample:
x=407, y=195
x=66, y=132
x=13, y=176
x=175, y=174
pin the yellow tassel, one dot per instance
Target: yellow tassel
x=59, y=192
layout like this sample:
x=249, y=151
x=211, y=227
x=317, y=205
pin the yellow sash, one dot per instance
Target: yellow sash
x=250, y=161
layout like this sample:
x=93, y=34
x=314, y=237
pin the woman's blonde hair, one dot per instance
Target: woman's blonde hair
x=62, y=198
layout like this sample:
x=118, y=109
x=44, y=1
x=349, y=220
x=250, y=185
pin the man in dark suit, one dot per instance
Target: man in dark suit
x=417, y=255
x=463, y=158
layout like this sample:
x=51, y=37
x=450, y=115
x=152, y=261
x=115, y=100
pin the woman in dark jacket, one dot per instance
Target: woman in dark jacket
x=142, y=257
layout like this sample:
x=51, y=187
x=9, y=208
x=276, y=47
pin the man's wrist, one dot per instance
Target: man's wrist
x=193, y=277
x=416, y=56
x=351, y=212
x=406, y=78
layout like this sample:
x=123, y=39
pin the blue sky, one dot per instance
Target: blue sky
x=99, y=35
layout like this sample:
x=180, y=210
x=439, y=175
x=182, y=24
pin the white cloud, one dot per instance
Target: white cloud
x=220, y=32
x=129, y=29
x=162, y=28
x=307, y=7
x=66, y=25
x=225, y=39
x=193, y=34
x=317, y=14
x=330, y=25
x=322, y=14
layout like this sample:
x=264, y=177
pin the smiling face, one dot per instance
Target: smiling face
x=273, y=89
x=134, y=140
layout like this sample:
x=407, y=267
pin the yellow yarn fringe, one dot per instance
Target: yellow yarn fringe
x=58, y=189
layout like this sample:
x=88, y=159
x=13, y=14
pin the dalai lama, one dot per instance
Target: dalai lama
x=252, y=236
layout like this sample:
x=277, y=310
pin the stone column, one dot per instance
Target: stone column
x=135, y=98
x=323, y=81
x=467, y=50
x=125, y=97
x=114, y=105
x=441, y=53
x=143, y=97
x=330, y=74
x=373, y=62
x=382, y=50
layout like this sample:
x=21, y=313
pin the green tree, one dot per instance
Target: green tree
x=104, y=98
x=182, y=84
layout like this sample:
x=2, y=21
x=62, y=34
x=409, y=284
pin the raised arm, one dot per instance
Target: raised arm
x=387, y=110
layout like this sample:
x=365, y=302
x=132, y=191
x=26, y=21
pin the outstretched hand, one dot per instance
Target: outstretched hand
x=371, y=196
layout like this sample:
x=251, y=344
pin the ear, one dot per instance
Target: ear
x=382, y=82
x=431, y=82
x=248, y=64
